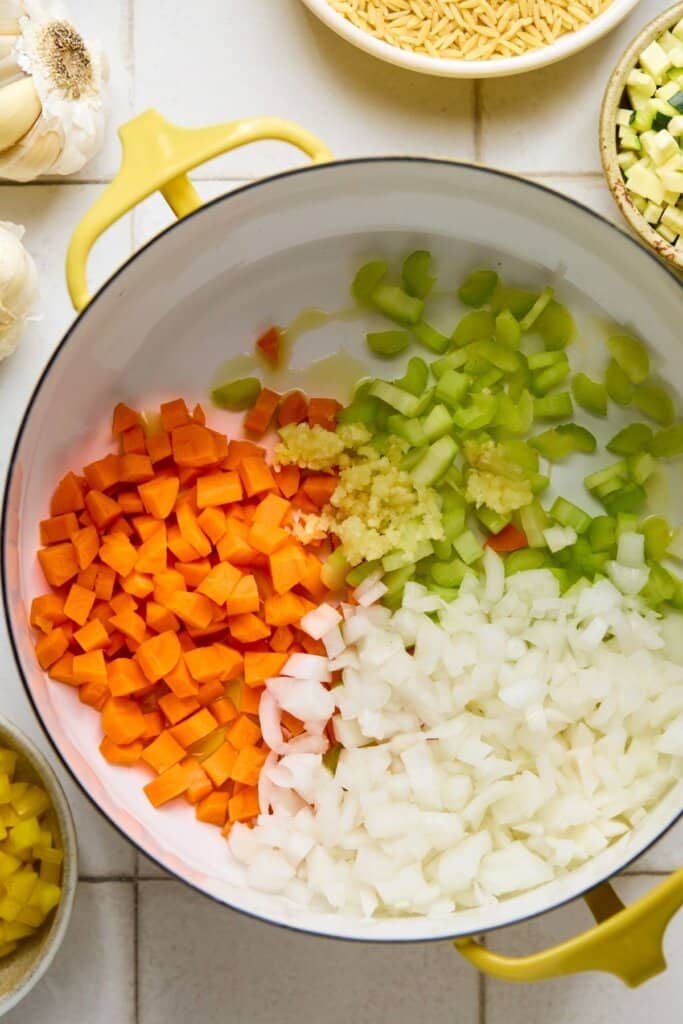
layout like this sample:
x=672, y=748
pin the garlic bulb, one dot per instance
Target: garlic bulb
x=18, y=286
x=52, y=93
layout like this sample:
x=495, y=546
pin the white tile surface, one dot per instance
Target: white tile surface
x=91, y=980
x=548, y=120
x=248, y=972
x=272, y=57
x=587, y=998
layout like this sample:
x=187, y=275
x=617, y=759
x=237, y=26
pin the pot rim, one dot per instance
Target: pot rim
x=35, y=395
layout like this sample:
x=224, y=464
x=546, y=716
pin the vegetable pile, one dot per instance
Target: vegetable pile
x=30, y=855
x=650, y=130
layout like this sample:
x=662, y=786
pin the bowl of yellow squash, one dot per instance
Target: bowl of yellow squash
x=38, y=865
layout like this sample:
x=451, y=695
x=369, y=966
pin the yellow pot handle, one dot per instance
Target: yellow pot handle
x=156, y=157
x=627, y=941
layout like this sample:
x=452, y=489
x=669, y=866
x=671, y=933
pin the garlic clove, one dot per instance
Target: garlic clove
x=9, y=66
x=20, y=108
x=35, y=154
x=18, y=286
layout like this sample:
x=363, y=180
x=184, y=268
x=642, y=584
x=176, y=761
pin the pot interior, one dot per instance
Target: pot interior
x=199, y=295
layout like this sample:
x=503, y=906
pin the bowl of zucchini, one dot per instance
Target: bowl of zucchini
x=641, y=135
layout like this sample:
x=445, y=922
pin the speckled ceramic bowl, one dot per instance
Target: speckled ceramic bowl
x=608, y=136
x=20, y=971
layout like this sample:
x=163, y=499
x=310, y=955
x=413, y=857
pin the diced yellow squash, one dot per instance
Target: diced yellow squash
x=50, y=872
x=45, y=896
x=9, y=908
x=25, y=834
x=8, y=864
x=32, y=803
x=20, y=886
x=8, y=760
x=6, y=948
x=31, y=915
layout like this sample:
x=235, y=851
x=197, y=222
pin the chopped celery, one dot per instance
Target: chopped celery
x=362, y=411
x=555, y=325
x=448, y=574
x=530, y=318
x=619, y=387
x=437, y=422
x=430, y=337
x=616, y=470
x=641, y=467
x=237, y=394
x=524, y=560
x=554, y=407
x=397, y=578
x=411, y=459
x=493, y=522
x=541, y=360
x=435, y=461
x=636, y=437
x=415, y=378
x=476, y=326
x=478, y=413
x=445, y=593
x=567, y=514
x=591, y=395
x=660, y=587
x=452, y=388
x=627, y=522
x=478, y=287
x=443, y=549
x=361, y=389
x=409, y=430
x=388, y=343
x=397, y=304
x=631, y=356
x=361, y=572
x=562, y=576
x=453, y=478
x=534, y=521
x=501, y=356
x=515, y=417
x=335, y=570
x=453, y=522
x=558, y=538
x=518, y=301
x=658, y=536
x=654, y=401
x=608, y=487
x=539, y=483
x=366, y=280
x=545, y=380
x=629, y=498
x=668, y=442
x=415, y=275
x=397, y=398
x=507, y=330
x=452, y=361
x=488, y=380
x=518, y=382
x=401, y=559
x=559, y=442
x=602, y=533
x=468, y=547
x=521, y=454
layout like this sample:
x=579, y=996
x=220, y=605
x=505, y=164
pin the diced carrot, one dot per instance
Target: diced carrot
x=79, y=604
x=59, y=563
x=191, y=531
x=293, y=725
x=287, y=568
x=224, y=710
x=118, y=553
x=122, y=720
x=311, y=580
x=244, y=805
x=104, y=584
x=117, y=642
x=239, y=450
x=282, y=639
x=266, y=539
x=166, y=584
x=287, y=479
x=269, y=344
x=135, y=469
x=121, y=525
x=154, y=725
x=248, y=764
x=320, y=487
x=51, y=647
x=158, y=446
x=159, y=495
x=177, y=708
x=90, y=668
x=95, y=695
x=124, y=419
x=218, y=489
x=243, y=733
x=68, y=496
x=159, y=655
x=180, y=682
x=262, y=411
x=160, y=619
x=210, y=692
x=271, y=510
x=92, y=636
x=199, y=783
x=103, y=473
x=256, y=476
x=198, y=415
x=86, y=545
x=194, y=609
x=137, y=584
x=58, y=528
x=131, y=625
x=322, y=412
x=62, y=671
x=231, y=662
x=133, y=441
x=47, y=611
x=285, y=609
x=312, y=646
x=219, y=764
x=212, y=522
x=124, y=756
x=204, y=663
x=303, y=503
x=152, y=553
x=174, y=414
x=293, y=409
x=194, y=728
x=233, y=546
x=124, y=677
x=123, y=603
x=220, y=582
x=262, y=665
x=163, y=753
x=88, y=577
x=167, y=786
x=248, y=628
x=213, y=809
x=194, y=446
x=250, y=699
x=244, y=597
x=177, y=544
x=102, y=509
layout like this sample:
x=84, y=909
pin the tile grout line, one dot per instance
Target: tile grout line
x=481, y=993
x=136, y=952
